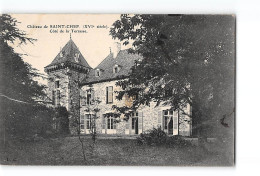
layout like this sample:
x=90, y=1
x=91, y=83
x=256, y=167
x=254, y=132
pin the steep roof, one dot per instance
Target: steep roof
x=123, y=59
x=68, y=54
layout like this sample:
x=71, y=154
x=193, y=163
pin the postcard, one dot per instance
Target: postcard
x=117, y=89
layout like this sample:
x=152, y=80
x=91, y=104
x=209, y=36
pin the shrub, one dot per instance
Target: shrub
x=156, y=136
x=21, y=120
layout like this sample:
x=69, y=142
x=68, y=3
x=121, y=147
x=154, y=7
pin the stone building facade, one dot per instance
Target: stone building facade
x=65, y=73
x=79, y=85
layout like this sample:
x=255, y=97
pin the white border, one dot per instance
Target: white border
x=248, y=72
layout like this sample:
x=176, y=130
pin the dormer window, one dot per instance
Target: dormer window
x=76, y=57
x=116, y=69
x=98, y=72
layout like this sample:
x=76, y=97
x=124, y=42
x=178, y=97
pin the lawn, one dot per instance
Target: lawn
x=121, y=152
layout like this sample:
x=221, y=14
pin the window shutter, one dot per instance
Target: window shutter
x=160, y=116
x=107, y=95
x=104, y=123
x=84, y=101
x=114, y=123
x=127, y=124
x=140, y=122
x=92, y=97
x=175, y=120
x=110, y=94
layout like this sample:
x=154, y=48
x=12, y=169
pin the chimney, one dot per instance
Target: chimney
x=115, y=49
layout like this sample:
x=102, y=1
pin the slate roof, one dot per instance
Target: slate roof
x=68, y=54
x=123, y=59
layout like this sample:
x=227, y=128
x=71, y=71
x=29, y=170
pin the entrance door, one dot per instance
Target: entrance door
x=135, y=125
x=170, y=126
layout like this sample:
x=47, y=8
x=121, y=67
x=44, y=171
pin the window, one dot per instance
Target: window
x=53, y=97
x=167, y=116
x=83, y=101
x=134, y=120
x=109, y=94
x=57, y=84
x=76, y=57
x=82, y=126
x=88, y=121
x=116, y=69
x=110, y=123
x=85, y=122
x=88, y=97
x=58, y=98
x=97, y=73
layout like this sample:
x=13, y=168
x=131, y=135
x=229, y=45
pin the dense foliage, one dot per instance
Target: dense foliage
x=22, y=114
x=61, y=118
x=186, y=59
x=157, y=137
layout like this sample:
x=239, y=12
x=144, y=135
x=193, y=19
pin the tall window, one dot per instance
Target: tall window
x=134, y=120
x=56, y=94
x=83, y=100
x=109, y=94
x=58, y=98
x=88, y=121
x=89, y=97
x=110, y=123
x=85, y=122
x=57, y=84
x=166, y=119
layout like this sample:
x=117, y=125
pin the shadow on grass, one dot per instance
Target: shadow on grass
x=121, y=152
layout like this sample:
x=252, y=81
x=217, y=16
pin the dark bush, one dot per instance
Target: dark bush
x=156, y=136
x=20, y=120
x=61, y=120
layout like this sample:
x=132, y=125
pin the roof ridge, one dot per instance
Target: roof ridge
x=108, y=56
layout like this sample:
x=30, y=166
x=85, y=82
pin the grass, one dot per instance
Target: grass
x=120, y=152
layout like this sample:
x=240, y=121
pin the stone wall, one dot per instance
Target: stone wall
x=61, y=76
x=69, y=92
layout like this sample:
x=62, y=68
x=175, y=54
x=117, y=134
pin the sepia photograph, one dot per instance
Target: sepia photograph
x=117, y=89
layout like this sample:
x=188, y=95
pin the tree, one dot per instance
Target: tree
x=187, y=59
x=19, y=90
x=93, y=109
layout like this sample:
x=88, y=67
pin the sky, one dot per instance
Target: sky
x=94, y=45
